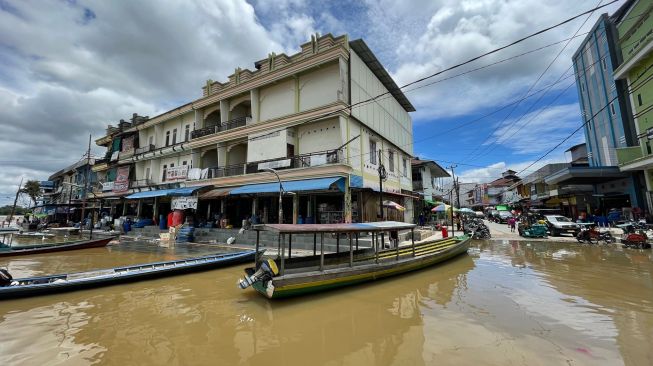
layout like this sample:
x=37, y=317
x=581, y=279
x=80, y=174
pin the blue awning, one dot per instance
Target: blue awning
x=317, y=184
x=150, y=194
x=165, y=192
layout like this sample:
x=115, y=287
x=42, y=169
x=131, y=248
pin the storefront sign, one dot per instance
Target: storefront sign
x=107, y=186
x=182, y=203
x=177, y=173
x=285, y=163
x=121, y=184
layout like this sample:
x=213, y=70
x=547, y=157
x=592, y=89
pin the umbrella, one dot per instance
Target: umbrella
x=442, y=208
x=394, y=205
x=466, y=210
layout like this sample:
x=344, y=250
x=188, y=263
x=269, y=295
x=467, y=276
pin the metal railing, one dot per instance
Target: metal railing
x=210, y=130
x=140, y=183
x=144, y=149
x=293, y=162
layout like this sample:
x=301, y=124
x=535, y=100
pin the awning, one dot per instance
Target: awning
x=165, y=192
x=318, y=184
x=215, y=193
x=585, y=175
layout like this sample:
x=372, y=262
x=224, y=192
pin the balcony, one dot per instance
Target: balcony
x=144, y=149
x=225, y=126
x=293, y=162
x=418, y=186
x=140, y=183
x=628, y=154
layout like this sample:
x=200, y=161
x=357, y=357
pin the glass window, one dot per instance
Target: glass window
x=174, y=136
x=167, y=138
x=639, y=99
x=147, y=173
x=391, y=160
x=404, y=166
x=612, y=108
x=184, y=162
x=187, y=133
x=163, y=177
x=372, y=151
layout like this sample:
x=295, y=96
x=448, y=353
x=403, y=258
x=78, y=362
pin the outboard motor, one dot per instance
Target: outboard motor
x=5, y=278
x=268, y=269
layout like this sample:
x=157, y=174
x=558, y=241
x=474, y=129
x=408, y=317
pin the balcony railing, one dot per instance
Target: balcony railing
x=297, y=161
x=234, y=123
x=140, y=183
x=144, y=149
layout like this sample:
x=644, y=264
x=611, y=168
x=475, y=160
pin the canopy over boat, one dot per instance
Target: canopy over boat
x=336, y=228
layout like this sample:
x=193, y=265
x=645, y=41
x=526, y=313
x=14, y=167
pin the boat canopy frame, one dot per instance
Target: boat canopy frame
x=353, y=231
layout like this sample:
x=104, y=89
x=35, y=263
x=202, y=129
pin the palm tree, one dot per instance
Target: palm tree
x=33, y=189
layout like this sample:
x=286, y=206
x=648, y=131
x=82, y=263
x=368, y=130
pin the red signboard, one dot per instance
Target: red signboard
x=121, y=184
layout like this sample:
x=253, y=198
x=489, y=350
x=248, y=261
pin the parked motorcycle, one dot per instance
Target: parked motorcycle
x=634, y=235
x=593, y=236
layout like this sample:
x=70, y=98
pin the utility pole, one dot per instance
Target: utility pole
x=88, y=177
x=383, y=175
x=453, y=180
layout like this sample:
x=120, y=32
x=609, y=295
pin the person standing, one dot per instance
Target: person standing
x=512, y=222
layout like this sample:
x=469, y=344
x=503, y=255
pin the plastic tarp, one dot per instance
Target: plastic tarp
x=165, y=192
x=318, y=184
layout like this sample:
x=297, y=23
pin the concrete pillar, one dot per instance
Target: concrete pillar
x=199, y=119
x=222, y=206
x=222, y=154
x=347, y=203
x=254, y=102
x=254, y=205
x=139, y=207
x=224, y=110
x=295, y=208
x=124, y=208
x=196, y=158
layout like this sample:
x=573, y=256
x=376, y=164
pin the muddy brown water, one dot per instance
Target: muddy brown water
x=503, y=303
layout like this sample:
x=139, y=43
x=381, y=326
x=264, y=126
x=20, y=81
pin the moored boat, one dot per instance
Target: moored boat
x=8, y=251
x=284, y=277
x=33, y=286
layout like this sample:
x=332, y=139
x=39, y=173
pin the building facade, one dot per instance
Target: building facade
x=635, y=27
x=306, y=116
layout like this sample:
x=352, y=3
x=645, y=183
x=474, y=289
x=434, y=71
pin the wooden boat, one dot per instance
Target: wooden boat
x=33, y=286
x=284, y=277
x=33, y=234
x=8, y=251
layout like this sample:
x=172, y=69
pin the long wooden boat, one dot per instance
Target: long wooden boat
x=33, y=286
x=7, y=251
x=284, y=277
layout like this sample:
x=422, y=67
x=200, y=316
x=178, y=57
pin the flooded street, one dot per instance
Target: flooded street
x=505, y=303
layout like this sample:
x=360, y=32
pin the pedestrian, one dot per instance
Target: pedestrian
x=421, y=219
x=512, y=222
x=458, y=222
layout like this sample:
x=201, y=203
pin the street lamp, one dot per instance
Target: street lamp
x=280, y=192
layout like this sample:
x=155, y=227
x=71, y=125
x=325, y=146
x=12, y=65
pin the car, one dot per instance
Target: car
x=558, y=224
x=504, y=216
x=493, y=215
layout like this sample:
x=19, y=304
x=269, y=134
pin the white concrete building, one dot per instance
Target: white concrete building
x=308, y=116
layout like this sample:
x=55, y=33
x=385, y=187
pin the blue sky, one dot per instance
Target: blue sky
x=69, y=68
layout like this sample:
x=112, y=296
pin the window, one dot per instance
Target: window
x=604, y=64
x=612, y=109
x=184, y=163
x=648, y=148
x=163, y=177
x=172, y=165
x=167, y=138
x=404, y=167
x=187, y=133
x=151, y=140
x=372, y=152
x=147, y=173
x=639, y=99
x=174, y=136
x=391, y=160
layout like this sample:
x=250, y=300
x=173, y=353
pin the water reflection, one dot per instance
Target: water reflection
x=526, y=303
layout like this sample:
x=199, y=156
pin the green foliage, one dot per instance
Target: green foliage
x=6, y=210
x=32, y=188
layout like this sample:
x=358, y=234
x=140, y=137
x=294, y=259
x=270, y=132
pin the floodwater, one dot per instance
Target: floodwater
x=504, y=303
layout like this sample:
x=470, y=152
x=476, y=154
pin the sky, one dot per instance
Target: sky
x=70, y=68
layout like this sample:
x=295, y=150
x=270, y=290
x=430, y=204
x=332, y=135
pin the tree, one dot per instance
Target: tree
x=32, y=188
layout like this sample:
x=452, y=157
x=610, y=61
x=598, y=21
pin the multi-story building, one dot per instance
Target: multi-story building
x=308, y=117
x=634, y=22
x=491, y=194
x=425, y=178
x=65, y=190
x=607, y=117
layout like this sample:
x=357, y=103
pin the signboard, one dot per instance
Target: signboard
x=285, y=163
x=107, y=186
x=128, y=143
x=177, y=173
x=121, y=184
x=182, y=203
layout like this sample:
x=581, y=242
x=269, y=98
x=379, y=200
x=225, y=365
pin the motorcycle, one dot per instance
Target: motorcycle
x=593, y=236
x=634, y=236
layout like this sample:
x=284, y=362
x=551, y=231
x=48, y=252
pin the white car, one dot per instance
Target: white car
x=559, y=224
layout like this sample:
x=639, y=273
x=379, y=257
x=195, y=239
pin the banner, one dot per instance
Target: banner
x=107, y=186
x=177, y=173
x=128, y=143
x=182, y=203
x=121, y=184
